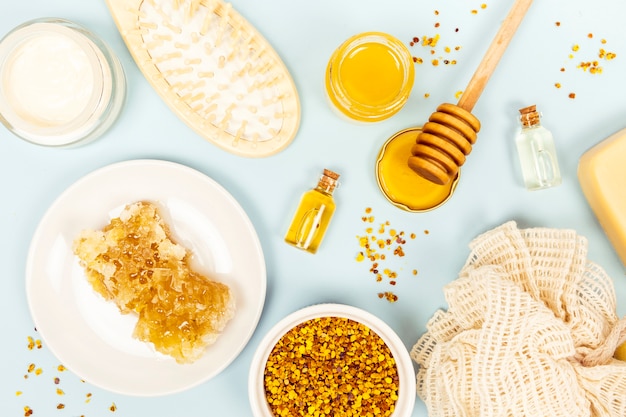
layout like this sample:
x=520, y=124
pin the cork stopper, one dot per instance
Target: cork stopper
x=329, y=181
x=529, y=116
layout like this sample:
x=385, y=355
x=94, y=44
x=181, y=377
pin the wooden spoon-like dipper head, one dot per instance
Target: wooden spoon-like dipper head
x=446, y=139
x=440, y=149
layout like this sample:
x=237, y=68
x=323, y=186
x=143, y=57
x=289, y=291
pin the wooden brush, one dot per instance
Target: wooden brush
x=214, y=70
x=448, y=136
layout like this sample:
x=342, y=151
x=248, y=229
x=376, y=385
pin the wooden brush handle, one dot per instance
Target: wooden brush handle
x=494, y=53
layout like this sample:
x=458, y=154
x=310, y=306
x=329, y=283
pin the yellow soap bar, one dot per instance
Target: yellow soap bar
x=620, y=352
x=602, y=177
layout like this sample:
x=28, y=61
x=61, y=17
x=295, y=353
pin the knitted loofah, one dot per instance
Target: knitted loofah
x=530, y=330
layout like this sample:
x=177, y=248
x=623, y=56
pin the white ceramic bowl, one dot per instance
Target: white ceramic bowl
x=406, y=374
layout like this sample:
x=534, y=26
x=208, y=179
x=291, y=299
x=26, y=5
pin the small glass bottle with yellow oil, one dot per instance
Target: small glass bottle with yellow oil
x=316, y=209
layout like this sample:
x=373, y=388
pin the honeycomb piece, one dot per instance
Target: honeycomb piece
x=134, y=262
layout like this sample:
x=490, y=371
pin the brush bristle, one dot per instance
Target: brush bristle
x=219, y=67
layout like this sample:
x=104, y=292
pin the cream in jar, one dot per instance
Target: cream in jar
x=59, y=84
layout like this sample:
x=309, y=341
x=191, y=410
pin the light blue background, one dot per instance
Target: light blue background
x=305, y=33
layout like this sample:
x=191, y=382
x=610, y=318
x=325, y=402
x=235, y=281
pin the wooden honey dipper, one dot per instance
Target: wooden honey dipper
x=447, y=138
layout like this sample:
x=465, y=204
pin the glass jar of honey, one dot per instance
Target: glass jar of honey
x=370, y=76
x=400, y=184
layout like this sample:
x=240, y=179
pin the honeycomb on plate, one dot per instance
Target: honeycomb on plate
x=134, y=262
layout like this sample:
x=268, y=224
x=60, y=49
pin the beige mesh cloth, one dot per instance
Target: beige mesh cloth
x=530, y=330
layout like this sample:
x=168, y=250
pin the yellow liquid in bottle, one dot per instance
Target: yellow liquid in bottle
x=311, y=220
x=371, y=74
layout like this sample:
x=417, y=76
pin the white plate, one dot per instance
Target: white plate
x=88, y=334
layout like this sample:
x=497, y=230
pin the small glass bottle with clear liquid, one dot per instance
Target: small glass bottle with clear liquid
x=317, y=206
x=537, y=153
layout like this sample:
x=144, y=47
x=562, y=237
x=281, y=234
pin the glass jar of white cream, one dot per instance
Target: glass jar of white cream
x=60, y=84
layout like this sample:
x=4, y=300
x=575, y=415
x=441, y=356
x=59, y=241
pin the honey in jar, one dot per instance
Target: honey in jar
x=370, y=76
x=399, y=183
